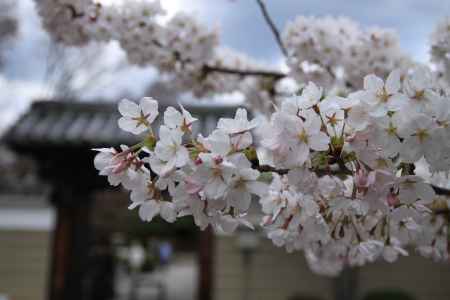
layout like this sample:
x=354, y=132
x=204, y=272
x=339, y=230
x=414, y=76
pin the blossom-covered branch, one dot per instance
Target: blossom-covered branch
x=272, y=26
x=335, y=170
x=333, y=52
x=334, y=176
x=263, y=73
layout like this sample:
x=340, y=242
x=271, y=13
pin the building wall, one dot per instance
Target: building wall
x=274, y=274
x=277, y=275
x=24, y=261
x=420, y=277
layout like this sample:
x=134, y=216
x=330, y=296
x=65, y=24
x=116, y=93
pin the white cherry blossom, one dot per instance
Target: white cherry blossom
x=239, y=124
x=120, y=167
x=173, y=119
x=419, y=138
x=383, y=97
x=170, y=149
x=303, y=136
x=137, y=118
x=418, y=86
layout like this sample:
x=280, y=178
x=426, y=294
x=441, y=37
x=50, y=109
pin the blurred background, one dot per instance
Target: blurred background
x=64, y=234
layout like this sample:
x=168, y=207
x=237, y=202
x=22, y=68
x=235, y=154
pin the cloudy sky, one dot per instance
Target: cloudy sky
x=241, y=25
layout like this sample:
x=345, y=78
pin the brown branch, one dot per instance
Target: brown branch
x=438, y=190
x=441, y=191
x=272, y=26
x=218, y=69
x=73, y=11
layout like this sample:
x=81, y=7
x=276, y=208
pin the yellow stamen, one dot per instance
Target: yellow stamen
x=303, y=137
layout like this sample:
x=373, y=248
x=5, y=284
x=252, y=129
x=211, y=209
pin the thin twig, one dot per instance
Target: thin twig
x=272, y=26
x=263, y=73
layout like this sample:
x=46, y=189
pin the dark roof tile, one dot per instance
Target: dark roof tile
x=52, y=123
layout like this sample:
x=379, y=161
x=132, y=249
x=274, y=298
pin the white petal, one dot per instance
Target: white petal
x=411, y=150
x=242, y=141
x=165, y=133
x=149, y=107
x=393, y=83
x=163, y=152
x=148, y=210
x=128, y=108
x=102, y=160
x=172, y=117
x=219, y=142
x=298, y=155
x=249, y=174
x=187, y=115
x=182, y=157
x=215, y=188
x=129, y=125
x=228, y=224
x=168, y=212
x=397, y=102
x=239, y=198
x=319, y=142
x=378, y=110
x=240, y=160
x=257, y=188
x=358, y=118
x=373, y=83
x=176, y=135
x=313, y=123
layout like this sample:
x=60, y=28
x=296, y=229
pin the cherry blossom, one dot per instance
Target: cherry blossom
x=137, y=118
x=173, y=119
x=120, y=167
x=170, y=149
x=146, y=197
x=383, y=97
x=419, y=138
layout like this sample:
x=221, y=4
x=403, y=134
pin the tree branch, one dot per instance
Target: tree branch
x=73, y=11
x=438, y=190
x=272, y=26
x=274, y=74
x=441, y=191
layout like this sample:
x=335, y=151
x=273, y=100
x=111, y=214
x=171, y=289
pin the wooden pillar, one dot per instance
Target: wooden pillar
x=206, y=262
x=71, y=243
x=346, y=284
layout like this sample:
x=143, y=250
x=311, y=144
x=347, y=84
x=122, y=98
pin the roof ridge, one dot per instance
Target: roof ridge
x=48, y=123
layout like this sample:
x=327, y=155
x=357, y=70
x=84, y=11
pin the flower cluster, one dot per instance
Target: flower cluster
x=373, y=206
x=181, y=46
x=440, y=48
x=209, y=177
x=334, y=170
x=324, y=46
x=334, y=176
x=333, y=52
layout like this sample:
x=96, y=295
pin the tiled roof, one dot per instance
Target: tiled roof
x=52, y=123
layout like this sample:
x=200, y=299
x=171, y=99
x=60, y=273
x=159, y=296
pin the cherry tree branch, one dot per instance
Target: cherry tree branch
x=73, y=11
x=441, y=191
x=272, y=26
x=438, y=190
x=263, y=73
